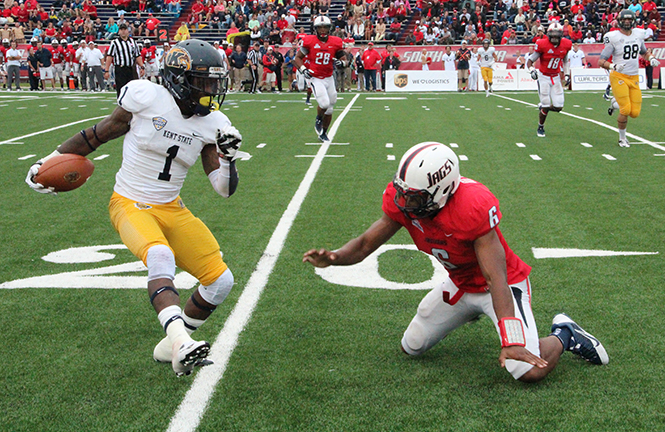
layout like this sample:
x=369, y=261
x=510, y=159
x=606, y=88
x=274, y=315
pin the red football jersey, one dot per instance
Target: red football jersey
x=149, y=53
x=58, y=55
x=321, y=54
x=470, y=213
x=551, y=57
x=70, y=55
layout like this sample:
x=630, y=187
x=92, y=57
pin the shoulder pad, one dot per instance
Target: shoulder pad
x=137, y=95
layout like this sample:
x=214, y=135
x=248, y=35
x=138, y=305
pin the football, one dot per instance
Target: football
x=65, y=172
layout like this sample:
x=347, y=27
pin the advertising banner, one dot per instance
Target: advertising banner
x=597, y=79
x=410, y=54
x=420, y=81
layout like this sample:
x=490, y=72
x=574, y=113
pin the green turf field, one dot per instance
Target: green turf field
x=306, y=354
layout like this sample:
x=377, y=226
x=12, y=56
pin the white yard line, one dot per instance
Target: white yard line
x=11, y=141
x=643, y=140
x=191, y=410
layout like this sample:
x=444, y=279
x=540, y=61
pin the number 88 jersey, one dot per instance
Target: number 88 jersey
x=161, y=144
x=551, y=57
x=321, y=55
x=624, y=49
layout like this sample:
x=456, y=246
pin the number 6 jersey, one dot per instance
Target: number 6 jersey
x=470, y=213
x=161, y=144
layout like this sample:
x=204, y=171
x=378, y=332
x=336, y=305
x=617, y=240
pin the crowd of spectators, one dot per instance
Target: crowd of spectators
x=73, y=20
x=441, y=22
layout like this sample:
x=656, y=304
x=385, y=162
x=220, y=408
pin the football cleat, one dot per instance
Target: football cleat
x=541, y=131
x=610, y=110
x=188, y=355
x=163, y=353
x=606, y=95
x=318, y=126
x=583, y=344
x=623, y=143
x=323, y=137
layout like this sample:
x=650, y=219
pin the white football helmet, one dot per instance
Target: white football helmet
x=322, y=22
x=427, y=176
x=555, y=33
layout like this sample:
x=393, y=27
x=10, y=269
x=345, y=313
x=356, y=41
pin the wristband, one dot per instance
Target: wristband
x=512, y=332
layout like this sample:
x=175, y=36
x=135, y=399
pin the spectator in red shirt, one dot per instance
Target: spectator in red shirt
x=371, y=63
x=394, y=31
x=419, y=36
x=151, y=25
x=577, y=7
x=576, y=35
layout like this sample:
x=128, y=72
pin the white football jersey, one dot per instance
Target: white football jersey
x=448, y=61
x=624, y=49
x=473, y=61
x=486, y=56
x=161, y=144
x=576, y=58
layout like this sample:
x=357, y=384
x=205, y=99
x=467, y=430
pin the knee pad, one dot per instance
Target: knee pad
x=216, y=292
x=161, y=263
x=329, y=110
x=414, y=341
x=625, y=109
x=635, y=112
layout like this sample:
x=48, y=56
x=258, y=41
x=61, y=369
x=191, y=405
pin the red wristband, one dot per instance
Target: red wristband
x=512, y=332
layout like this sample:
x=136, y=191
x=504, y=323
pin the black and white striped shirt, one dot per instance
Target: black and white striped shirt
x=124, y=53
x=254, y=56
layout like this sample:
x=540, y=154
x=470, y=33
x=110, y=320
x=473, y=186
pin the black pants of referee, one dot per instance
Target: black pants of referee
x=123, y=75
x=255, y=78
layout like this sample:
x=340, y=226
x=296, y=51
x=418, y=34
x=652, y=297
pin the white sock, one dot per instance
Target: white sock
x=176, y=328
x=622, y=134
x=192, y=324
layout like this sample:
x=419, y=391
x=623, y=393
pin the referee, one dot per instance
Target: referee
x=124, y=53
x=254, y=60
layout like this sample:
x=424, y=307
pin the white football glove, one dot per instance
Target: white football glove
x=32, y=172
x=617, y=67
x=229, y=141
x=307, y=73
x=654, y=62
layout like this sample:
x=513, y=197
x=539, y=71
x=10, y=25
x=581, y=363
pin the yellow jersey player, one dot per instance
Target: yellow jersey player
x=166, y=127
x=487, y=56
x=624, y=46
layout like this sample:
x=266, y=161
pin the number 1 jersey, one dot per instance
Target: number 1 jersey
x=161, y=144
x=470, y=213
x=321, y=55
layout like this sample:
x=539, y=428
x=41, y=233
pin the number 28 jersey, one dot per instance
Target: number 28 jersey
x=321, y=55
x=472, y=212
x=161, y=144
x=551, y=57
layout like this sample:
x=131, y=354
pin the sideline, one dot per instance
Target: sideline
x=9, y=141
x=191, y=409
x=643, y=140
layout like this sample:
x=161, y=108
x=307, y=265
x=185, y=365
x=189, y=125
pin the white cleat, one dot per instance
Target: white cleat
x=188, y=355
x=163, y=352
x=623, y=143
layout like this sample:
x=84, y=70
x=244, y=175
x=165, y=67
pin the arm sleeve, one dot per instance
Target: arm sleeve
x=224, y=179
x=643, y=47
x=608, y=50
x=535, y=56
